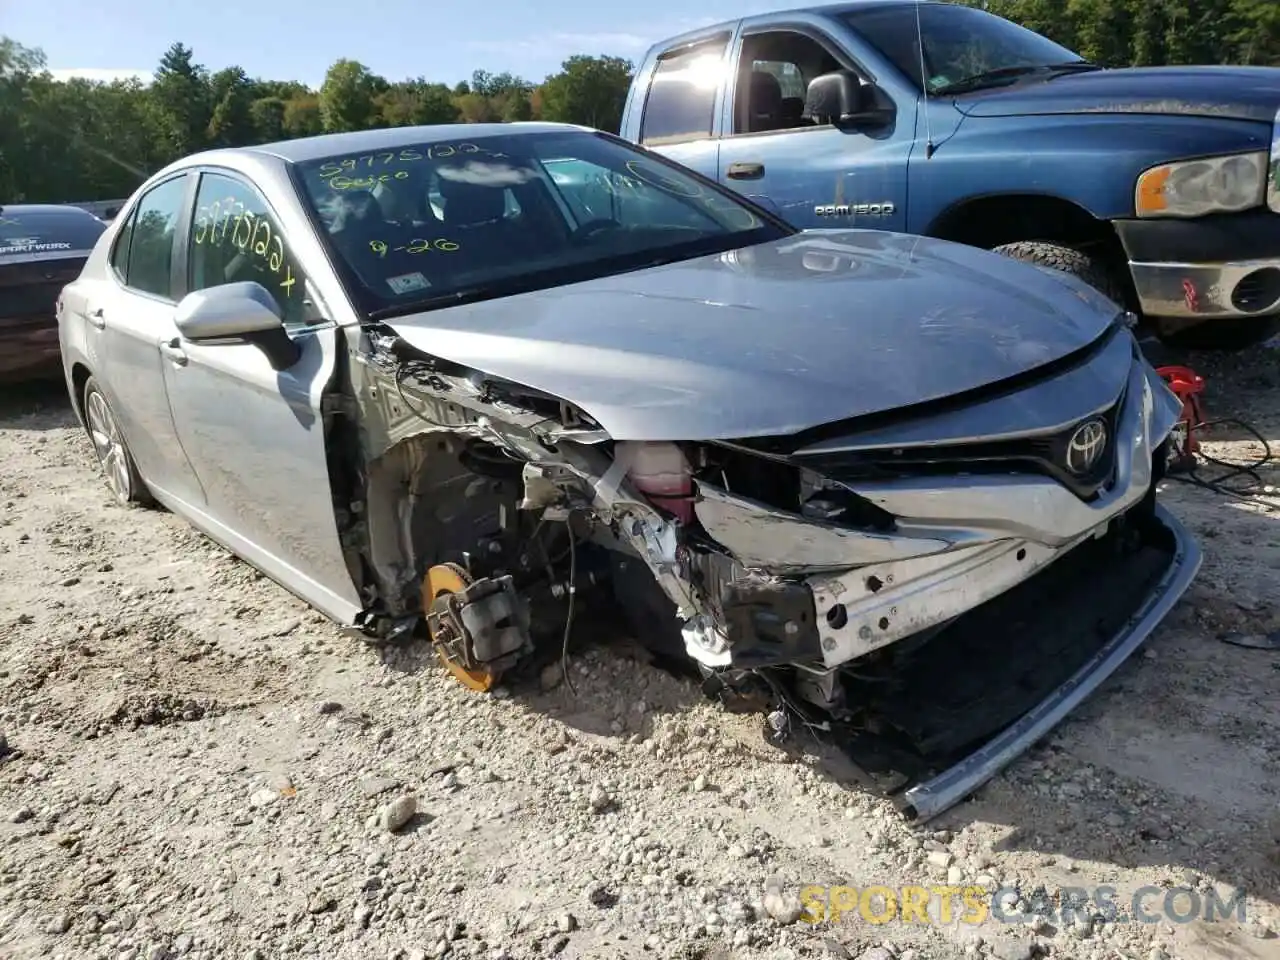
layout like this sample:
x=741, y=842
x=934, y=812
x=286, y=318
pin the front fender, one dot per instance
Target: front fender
x=1091, y=160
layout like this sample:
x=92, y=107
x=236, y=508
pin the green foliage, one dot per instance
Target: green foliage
x=1124, y=33
x=588, y=90
x=347, y=97
x=76, y=140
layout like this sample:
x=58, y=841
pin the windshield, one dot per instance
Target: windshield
x=959, y=43
x=447, y=221
x=26, y=230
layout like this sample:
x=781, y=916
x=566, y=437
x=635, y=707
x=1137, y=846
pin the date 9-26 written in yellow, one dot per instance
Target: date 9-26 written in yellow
x=414, y=246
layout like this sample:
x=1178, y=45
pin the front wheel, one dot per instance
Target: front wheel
x=123, y=479
x=1229, y=334
x=1077, y=263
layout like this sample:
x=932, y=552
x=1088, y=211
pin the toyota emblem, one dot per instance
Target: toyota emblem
x=1086, y=446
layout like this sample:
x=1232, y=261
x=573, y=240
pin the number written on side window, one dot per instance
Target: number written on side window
x=682, y=95
x=235, y=238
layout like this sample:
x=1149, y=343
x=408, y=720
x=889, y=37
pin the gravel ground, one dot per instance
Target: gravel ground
x=197, y=765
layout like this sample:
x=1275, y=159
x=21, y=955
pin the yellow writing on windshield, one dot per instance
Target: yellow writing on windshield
x=365, y=183
x=251, y=234
x=414, y=246
x=371, y=161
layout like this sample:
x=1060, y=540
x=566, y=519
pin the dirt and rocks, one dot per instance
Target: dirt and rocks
x=196, y=765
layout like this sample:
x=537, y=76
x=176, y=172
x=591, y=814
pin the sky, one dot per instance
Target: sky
x=299, y=39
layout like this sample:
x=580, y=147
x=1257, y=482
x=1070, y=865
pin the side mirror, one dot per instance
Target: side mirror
x=843, y=98
x=243, y=312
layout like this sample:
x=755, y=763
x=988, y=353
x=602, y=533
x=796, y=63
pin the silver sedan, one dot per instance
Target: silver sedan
x=474, y=381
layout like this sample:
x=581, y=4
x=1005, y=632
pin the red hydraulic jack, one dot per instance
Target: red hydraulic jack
x=1187, y=385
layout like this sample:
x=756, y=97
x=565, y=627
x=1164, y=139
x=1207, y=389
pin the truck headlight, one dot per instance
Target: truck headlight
x=1194, y=188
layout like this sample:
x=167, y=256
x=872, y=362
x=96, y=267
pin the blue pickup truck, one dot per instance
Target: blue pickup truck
x=1157, y=186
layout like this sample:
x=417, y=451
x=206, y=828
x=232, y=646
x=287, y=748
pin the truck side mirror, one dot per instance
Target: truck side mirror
x=842, y=98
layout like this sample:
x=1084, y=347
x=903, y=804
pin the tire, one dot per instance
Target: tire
x=1081, y=265
x=118, y=467
x=1227, y=335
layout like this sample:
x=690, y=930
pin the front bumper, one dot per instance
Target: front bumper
x=962, y=544
x=992, y=532
x=934, y=796
x=1207, y=268
x=960, y=539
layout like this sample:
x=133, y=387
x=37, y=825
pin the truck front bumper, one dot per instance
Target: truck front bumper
x=1205, y=269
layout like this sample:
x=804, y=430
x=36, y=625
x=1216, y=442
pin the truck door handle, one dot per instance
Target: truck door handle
x=745, y=171
x=97, y=319
x=173, y=350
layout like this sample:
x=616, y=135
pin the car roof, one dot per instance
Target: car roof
x=365, y=141
x=46, y=209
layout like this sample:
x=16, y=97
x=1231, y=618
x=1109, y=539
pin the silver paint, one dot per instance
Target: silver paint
x=756, y=342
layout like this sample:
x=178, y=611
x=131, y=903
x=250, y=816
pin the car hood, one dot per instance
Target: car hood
x=1234, y=93
x=772, y=339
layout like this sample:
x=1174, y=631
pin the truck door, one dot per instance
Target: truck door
x=815, y=175
x=680, y=105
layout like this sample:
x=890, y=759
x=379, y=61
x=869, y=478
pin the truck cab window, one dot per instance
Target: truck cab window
x=774, y=73
x=682, y=94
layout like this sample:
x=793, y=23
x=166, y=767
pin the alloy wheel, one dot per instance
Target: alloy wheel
x=109, y=446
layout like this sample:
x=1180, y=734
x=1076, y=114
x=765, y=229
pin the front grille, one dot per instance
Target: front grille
x=1046, y=455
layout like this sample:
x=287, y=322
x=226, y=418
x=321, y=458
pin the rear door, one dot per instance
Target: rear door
x=129, y=315
x=682, y=101
x=815, y=175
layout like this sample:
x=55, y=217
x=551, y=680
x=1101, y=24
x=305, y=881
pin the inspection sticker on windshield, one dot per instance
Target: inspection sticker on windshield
x=408, y=282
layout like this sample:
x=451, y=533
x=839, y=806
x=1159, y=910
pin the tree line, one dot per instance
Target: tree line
x=78, y=140
x=1149, y=33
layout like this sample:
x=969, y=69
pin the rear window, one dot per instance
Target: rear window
x=47, y=231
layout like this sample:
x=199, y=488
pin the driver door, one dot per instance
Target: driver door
x=815, y=176
x=254, y=435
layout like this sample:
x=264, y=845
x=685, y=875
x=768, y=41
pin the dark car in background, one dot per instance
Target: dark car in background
x=42, y=248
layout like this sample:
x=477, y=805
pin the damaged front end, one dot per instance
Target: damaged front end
x=935, y=588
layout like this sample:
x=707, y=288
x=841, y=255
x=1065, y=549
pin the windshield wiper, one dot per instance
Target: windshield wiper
x=992, y=78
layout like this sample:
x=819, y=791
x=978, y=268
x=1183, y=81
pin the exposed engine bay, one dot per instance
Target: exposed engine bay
x=494, y=515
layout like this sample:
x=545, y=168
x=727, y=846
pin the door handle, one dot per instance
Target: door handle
x=173, y=350
x=97, y=319
x=745, y=171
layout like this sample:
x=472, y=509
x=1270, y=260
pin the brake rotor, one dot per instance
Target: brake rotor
x=442, y=579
